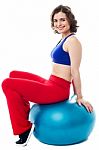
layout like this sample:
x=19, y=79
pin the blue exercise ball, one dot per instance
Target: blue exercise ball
x=61, y=123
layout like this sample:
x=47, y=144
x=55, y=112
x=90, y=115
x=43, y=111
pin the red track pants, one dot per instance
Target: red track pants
x=22, y=87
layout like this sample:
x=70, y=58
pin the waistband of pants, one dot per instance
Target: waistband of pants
x=60, y=81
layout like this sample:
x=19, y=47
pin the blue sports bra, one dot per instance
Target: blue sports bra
x=59, y=55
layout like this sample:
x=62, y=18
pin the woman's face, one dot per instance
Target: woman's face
x=61, y=24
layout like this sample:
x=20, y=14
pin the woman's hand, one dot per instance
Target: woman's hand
x=86, y=104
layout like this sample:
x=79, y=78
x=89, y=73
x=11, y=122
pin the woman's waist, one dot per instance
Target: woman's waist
x=62, y=71
x=61, y=74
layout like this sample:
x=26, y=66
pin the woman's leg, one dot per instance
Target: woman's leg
x=19, y=91
x=29, y=76
x=10, y=94
x=26, y=75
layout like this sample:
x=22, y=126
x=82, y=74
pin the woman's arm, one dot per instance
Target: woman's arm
x=75, y=51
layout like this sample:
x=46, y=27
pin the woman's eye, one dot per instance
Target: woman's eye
x=62, y=19
x=55, y=20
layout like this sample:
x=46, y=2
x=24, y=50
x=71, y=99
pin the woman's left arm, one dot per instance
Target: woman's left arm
x=75, y=51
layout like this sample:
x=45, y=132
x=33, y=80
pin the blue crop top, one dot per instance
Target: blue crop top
x=59, y=55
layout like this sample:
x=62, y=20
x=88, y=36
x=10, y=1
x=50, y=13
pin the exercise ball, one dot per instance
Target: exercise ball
x=62, y=123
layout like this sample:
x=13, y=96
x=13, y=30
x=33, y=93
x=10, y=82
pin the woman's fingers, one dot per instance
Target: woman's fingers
x=86, y=104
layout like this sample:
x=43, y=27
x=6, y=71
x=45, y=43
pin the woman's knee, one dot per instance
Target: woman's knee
x=12, y=73
x=5, y=83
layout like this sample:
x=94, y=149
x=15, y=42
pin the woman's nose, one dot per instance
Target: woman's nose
x=58, y=23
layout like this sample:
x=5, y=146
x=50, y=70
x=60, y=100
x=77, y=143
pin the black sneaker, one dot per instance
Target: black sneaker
x=24, y=137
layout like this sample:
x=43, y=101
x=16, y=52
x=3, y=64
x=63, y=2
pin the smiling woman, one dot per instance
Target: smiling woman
x=22, y=87
x=66, y=21
x=68, y=52
x=61, y=24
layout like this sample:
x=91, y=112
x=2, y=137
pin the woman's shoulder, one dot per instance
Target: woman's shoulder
x=72, y=43
x=72, y=40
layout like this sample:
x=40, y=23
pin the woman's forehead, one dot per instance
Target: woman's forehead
x=59, y=15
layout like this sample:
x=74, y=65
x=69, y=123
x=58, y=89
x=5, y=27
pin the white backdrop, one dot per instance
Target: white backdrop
x=26, y=40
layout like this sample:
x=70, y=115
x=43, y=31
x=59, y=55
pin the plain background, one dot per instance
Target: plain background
x=26, y=40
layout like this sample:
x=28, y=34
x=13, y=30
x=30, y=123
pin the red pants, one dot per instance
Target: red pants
x=22, y=87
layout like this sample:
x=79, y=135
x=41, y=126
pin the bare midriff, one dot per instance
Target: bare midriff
x=62, y=71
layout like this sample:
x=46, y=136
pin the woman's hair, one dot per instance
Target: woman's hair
x=70, y=17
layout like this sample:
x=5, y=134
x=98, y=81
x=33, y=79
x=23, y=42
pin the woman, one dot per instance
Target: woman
x=22, y=87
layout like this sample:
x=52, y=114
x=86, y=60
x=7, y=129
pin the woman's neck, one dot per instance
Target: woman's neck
x=66, y=34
